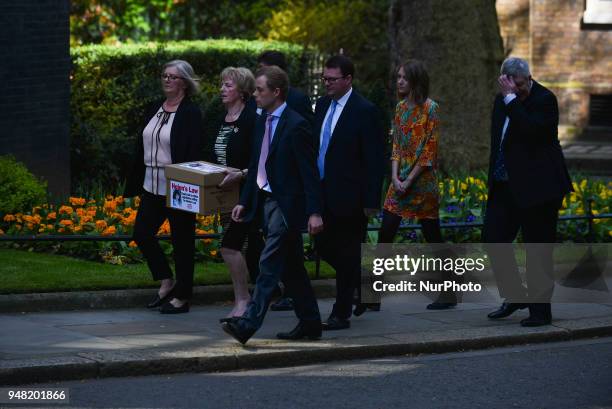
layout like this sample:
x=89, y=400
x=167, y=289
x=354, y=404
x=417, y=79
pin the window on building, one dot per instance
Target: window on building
x=600, y=110
x=597, y=15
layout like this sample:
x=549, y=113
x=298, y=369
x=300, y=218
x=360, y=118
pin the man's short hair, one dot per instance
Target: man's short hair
x=273, y=57
x=515, y=67
x=343, y=63
x=275, y=78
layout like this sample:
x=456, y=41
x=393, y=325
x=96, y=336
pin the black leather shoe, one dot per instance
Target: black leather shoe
x=159, y=301
x=535, y=321
x=232, y=328
x=445, y=301
x=437, y=305
x=282, y=304
x=506, y=310
x=168, y=308
x=304, y=329
x=363, y=307
x=334, y=323
x=539, y=314
x=227, y=319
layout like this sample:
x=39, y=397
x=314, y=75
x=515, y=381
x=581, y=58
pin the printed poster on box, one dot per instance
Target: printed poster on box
x=184, y=196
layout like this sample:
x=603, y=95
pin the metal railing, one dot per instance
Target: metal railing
x=128, y=237
x=125, y=237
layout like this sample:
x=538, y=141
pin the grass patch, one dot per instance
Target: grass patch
x=29, y=272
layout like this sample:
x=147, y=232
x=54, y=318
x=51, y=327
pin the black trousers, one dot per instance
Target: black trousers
x=254, y=248
x=151, y=214
x=537, y=224
x=340, y=245
x=433, y=234
x=390, y=226
x=282, y=257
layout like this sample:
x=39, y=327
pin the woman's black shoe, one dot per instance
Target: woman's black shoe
x=168, y=308
x=159, y=301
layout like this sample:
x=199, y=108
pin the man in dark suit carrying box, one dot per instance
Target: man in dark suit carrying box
x=283, y=191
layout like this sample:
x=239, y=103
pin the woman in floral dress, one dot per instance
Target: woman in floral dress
x=413, y=193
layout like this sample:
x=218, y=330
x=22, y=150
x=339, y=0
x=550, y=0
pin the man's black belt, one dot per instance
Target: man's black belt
x=265, y=193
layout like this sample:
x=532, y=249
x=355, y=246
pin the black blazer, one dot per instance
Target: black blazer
x=354, y=162
x=240, y=143
x=532, y=153
x=185, y=141
x=291, y=168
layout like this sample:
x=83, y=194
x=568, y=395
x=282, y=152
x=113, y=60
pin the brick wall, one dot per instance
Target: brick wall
x=35, y=87
x=513, y=16
x=573, y=61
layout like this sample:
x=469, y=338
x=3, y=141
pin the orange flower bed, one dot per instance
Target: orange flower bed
x=114, y=215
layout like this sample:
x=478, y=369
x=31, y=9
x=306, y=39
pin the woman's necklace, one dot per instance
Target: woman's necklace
x=234, y=116
x=171, y=107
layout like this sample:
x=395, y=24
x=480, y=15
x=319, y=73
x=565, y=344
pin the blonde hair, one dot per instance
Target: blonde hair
x=187, y=74
x=242, y=77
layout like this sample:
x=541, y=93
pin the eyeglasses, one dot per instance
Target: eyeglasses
x=331, y=80
x=167, y=77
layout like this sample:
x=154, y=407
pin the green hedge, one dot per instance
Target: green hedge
x=112, y=85
x=20, y=190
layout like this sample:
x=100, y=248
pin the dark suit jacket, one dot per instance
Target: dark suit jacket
x=240, y=144
x=291, y=168
x=185, y=141
x=299, y=102
x=354, y=162
x=532, y=153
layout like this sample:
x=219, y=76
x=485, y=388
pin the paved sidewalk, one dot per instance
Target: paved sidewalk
x=119, y=299
x=36, y=347
x=587, y=150
x=589, y=156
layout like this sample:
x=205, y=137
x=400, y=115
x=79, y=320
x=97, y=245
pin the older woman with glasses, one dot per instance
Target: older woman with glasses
x=172, y=133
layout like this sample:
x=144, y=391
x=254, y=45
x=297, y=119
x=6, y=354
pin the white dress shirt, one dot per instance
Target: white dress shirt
x=157, y=152
x=507, y=99
x=339, y=107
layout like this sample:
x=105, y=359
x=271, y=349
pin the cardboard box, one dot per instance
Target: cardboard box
x=193, y=187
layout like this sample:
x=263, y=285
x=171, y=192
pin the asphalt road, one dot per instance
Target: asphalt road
x=557, y=375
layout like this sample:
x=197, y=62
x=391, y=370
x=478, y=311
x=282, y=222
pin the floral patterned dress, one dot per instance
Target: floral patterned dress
x=415, y=135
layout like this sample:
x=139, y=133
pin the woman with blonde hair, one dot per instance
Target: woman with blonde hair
x=231, y=146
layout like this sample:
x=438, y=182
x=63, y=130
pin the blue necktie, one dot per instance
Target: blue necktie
x=499, y=170
x=327, y=131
